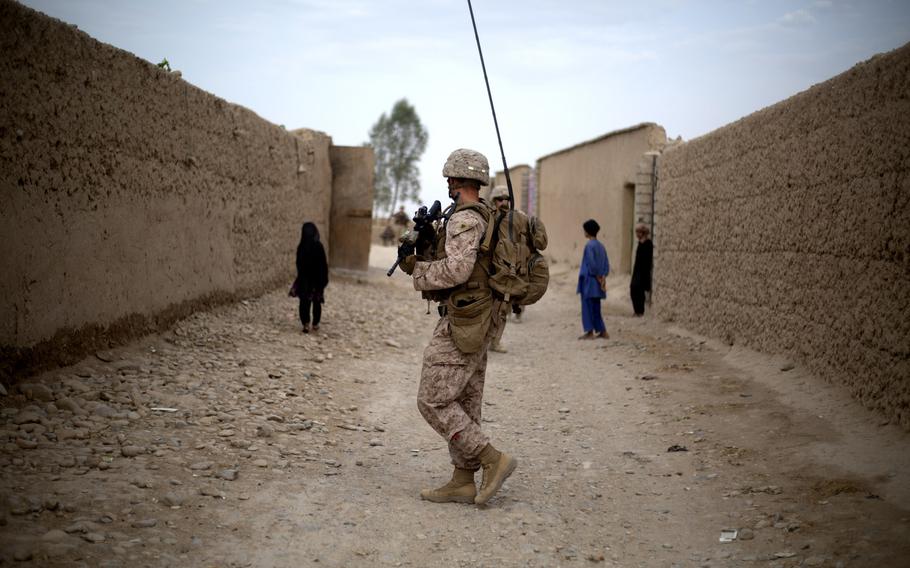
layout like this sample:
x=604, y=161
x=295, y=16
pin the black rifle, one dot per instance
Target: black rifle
x=414, y=239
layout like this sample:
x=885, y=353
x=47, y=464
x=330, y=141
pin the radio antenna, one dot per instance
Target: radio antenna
x=492, y=108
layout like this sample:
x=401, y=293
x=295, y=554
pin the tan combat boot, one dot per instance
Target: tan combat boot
x=497, y=467
x=460, y=489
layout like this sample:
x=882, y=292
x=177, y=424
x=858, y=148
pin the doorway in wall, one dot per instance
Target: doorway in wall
x=628, y=228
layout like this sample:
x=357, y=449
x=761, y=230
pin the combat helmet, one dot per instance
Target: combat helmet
x=469, y=164
x=500, y=191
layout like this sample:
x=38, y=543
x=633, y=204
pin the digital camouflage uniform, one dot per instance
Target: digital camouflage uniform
x=450, y=396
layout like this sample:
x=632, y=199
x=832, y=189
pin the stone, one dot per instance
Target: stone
x=227, y=474
x=212, y=492
x=131, y=451
x=201, y=466
x=173, y=499
x=26, y=417
x=746, y=534
x=144, y=523
x=93, y=537
x=104, y=411
x=375, y=442
x=37, y=391
x=55, y=535
x=22, y=552
x=260, y=463
x=26, y=444
x=69, y=405
x=82, y=526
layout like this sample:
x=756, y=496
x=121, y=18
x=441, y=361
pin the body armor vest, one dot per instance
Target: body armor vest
x=437, y=251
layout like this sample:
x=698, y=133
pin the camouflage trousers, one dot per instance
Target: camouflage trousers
x=450, y=397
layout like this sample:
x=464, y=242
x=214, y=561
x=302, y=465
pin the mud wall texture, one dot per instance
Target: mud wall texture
x=595, y=180
x=352, y=207
x=129, y=197
x=789, y=231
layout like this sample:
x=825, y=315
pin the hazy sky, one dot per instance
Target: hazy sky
x=562, y=71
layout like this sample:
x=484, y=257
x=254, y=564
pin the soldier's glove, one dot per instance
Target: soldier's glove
x=407, y=264
x=405, y=249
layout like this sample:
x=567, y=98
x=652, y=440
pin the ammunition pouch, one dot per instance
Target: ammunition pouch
x=470, y=312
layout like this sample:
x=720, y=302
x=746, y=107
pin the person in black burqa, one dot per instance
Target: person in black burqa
x=641, y=271
x=312, y=276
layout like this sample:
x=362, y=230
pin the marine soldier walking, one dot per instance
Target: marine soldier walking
x=450, y=395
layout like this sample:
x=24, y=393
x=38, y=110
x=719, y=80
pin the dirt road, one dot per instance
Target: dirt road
x=236, y=440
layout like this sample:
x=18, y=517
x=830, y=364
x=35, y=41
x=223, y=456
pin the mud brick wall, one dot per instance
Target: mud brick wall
x=594, y=180
x=129, y=197
x=789, y=231
x=352, y=207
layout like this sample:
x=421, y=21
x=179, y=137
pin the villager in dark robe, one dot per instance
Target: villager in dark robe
x=641, y=270
x=312, y=276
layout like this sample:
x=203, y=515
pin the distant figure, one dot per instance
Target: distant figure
x=592, y=286
x=388, y=236
x=312, y=276
x=401, y=218
x=641, y=271
x=500, y=198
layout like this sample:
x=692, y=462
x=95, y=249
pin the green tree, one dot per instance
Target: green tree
x=398, y=140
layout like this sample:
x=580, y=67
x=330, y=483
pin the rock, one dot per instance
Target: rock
x=70, y=405
x=104, y=411
x=393, y=343
x=126, y=366
x=105, y=356
x=56, y=549
x=200, y=466
x=22, y=552
x=37, y=391
x=3, y=390
x=82, y=526
x=375, y=442
x=93, y=537
x=55, y=535
x=746, y=534
x=26, y=444
x=226, y=433
x=227, y=474
x=27, y=417
x=131, y=451
x=787, y=367
x=173, y=499
x=211, y=492
x=66, y=434
x=564, y=410
x=814, y=561
x=144, y=523
x=264, y=431
x=261, y=463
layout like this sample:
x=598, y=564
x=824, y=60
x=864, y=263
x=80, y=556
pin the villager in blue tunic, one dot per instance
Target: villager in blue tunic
x=591, y=274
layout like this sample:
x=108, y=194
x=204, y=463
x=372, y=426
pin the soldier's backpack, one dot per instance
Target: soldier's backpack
x=517, y=271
